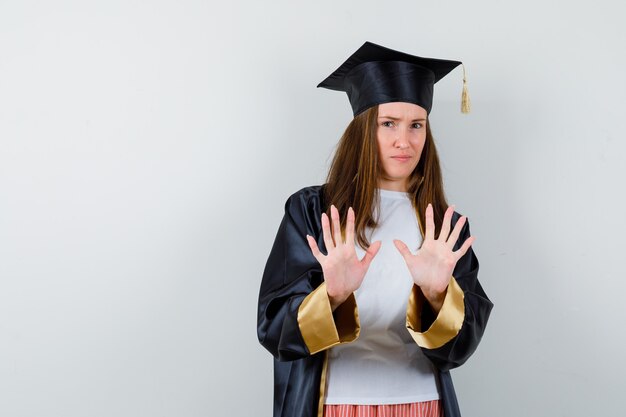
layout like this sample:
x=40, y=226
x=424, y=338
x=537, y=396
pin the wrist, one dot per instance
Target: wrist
x=336, y=299
x=435, y=298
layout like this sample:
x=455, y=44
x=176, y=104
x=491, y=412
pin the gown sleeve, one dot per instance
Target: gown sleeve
x=450, y=337
x=295, y=318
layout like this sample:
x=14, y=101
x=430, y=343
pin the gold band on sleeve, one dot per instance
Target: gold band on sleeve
x=322, y=397
x=320, y=327
x=448, y=322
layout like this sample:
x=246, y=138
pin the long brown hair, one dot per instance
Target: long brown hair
x=352, y=180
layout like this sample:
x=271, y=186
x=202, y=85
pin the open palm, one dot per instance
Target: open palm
x=343, y=271
x=432, y=266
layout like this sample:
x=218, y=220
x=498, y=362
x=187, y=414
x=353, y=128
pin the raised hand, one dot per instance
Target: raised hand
x=343, y=271
x=431, y=267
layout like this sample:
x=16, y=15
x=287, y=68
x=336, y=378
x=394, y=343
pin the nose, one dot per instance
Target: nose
x=401, y=141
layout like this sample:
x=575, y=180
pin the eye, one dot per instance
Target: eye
x=417, y=125
x=388, y=123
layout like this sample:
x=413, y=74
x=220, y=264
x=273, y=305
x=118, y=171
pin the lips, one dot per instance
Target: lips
x=401, y=158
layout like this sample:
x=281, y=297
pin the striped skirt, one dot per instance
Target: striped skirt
x=421, y=409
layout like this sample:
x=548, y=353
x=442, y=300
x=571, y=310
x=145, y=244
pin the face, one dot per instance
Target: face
x=401, y=134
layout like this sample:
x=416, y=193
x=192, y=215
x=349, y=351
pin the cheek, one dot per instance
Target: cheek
x=382, y=143
x=380, y=137
x=418, y=144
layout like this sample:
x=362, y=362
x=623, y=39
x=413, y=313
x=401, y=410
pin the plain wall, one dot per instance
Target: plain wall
x=147, y=149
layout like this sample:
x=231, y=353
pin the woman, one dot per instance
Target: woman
x=357, y=323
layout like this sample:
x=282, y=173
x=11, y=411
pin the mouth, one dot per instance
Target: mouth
x=401, y=158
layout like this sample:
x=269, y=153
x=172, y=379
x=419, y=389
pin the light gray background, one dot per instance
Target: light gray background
x=147, y=149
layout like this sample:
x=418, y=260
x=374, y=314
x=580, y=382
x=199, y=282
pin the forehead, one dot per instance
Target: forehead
x=402, y=109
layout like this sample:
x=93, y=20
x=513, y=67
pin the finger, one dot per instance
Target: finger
x=464, y=248
x=314, y=249
x=350, y=227
x=336, y=223
x=370, y=253
x=328, y=239
x=430, y=222
x=403, y=249
x=454, y=236
x=445, y=227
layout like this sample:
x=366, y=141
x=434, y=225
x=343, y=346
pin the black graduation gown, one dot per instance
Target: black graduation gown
x=297, y=325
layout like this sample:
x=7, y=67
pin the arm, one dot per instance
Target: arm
x=295, y=318
x=448, y=338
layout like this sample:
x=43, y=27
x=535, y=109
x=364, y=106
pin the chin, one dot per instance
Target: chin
x=401, y=176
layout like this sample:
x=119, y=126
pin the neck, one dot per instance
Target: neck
x=392, y=185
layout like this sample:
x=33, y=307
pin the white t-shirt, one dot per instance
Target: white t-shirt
x=384, y=365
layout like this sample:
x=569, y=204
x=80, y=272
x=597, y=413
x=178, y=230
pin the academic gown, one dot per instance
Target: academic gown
x=297, y=325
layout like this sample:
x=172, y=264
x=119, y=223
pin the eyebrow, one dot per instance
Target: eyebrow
x=397, y=118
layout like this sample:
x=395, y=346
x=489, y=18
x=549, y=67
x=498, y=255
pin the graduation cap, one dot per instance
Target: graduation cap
x=375, y=74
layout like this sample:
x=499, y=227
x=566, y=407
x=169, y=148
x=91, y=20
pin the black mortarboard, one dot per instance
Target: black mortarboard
x=375, y=74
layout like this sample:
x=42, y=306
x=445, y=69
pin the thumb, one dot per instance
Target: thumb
x=372, y=250
x=402, y=248
x=315, y=249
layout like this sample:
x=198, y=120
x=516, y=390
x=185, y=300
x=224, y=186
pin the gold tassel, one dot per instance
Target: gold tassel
x=465, y=100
